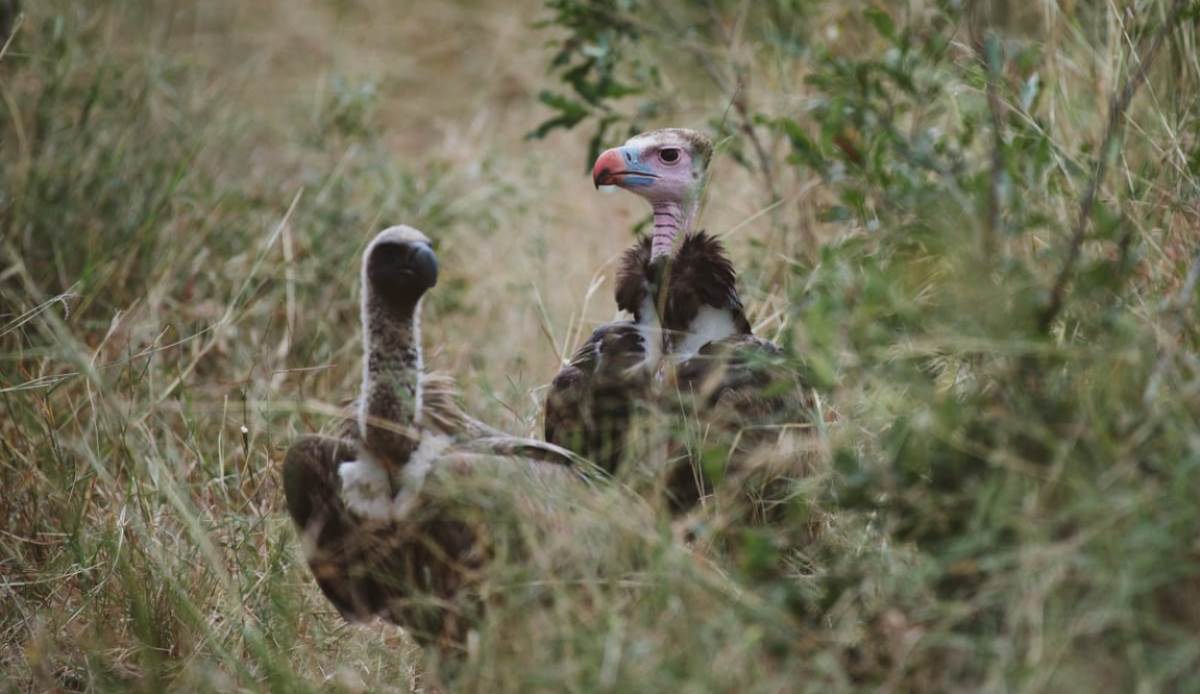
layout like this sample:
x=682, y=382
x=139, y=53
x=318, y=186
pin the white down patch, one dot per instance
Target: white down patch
x=414, y=473
x=709, y=324
x=367, y=487
x=652, y=334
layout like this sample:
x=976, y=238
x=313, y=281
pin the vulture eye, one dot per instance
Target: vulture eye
x=669, y=156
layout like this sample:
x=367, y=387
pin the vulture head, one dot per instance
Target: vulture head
x=399, y=266
x=667, y=168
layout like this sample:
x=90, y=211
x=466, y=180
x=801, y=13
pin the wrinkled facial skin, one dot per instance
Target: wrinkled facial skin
x=658, y=169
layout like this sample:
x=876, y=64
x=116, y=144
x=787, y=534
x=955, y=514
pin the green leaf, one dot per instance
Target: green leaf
x=567, y=105
x=804, y=150
x=571, y=112
x=882, y=21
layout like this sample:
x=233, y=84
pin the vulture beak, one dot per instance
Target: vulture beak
x=620, y=166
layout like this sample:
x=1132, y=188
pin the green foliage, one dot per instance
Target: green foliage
x=593, y=60
x=347, y=110
x=994, y=439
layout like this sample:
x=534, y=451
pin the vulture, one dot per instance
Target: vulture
x=379, y=523
x=688, y=334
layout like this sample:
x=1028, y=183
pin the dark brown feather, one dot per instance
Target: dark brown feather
x=632, y=277
x=741, y=388
x=592, y=398
x=698, y=274
x=419, y=574
x=737, y=363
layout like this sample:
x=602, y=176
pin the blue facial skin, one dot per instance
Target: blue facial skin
x=633, y=165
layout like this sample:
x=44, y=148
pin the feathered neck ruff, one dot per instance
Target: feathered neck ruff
x=698, y=274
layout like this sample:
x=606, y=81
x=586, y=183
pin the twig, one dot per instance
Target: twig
x=739, y=102
x=1184, y=296
x=747, y=126
x=993, y=72
x=1116, y=113
x=1179, y=304
x=544, y=324
x=12, y=34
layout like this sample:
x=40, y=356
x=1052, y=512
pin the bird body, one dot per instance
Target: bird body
x=680, y=288
x=395, y=514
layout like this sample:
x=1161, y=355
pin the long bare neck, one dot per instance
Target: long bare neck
x=672, y=218
x=391, y=397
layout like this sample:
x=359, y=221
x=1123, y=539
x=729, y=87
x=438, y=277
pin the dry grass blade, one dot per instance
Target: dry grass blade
x=1117, y=109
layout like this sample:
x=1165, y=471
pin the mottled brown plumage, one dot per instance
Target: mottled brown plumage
x=374, y=568
x=395, y=516
x=593, y=397
x=739, y=387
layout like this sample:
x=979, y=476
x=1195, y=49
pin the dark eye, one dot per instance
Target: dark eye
x=670, y=156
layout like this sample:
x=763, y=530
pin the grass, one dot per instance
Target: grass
x=995, y=501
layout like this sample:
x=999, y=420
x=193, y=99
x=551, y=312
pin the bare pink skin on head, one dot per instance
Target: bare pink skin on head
x=667, y=168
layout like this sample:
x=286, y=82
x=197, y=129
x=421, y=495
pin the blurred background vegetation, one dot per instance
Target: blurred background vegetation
x=974, y=224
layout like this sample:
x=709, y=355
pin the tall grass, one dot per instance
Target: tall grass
x=1001, y=493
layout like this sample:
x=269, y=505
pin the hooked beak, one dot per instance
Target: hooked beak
x=618, y=166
